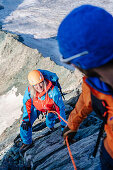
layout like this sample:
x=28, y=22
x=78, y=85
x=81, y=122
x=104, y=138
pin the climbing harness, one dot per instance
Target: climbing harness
x=67, y=143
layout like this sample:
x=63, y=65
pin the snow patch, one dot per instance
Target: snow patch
x=10, y=108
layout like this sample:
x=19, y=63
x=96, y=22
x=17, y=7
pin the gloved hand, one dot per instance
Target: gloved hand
x=25, y=125
x=70, y=133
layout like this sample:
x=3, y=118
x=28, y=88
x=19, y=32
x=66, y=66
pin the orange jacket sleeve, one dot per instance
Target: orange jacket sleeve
x=82, y=108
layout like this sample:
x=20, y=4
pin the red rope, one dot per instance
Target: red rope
x=59, y=116
x=67, y=143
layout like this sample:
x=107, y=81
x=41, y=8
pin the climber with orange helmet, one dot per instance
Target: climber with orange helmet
x=42, y=96
x=85, y=39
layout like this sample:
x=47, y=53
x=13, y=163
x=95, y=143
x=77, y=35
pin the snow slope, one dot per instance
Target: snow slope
x=10, y=109
x=37, y=21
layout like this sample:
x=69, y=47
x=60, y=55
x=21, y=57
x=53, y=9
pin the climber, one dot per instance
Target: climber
x=40, y=96
x=85, y=38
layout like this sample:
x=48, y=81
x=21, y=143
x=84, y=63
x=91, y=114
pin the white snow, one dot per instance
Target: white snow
x=10, y=108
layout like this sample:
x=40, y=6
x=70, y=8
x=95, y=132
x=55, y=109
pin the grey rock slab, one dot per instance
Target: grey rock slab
x=50, y=153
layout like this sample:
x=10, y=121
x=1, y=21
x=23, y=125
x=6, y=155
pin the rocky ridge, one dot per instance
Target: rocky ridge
x=48, y=151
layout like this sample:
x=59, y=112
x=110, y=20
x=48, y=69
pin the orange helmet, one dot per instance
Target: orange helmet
x=35, y=77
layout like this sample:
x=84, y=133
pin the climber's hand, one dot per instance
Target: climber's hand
x=25, y=125
x=69, y=133
x=62, y=128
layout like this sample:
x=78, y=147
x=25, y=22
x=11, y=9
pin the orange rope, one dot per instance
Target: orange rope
x=109, y=107
x=67, y=143
x=70, y=153
x=59, y=116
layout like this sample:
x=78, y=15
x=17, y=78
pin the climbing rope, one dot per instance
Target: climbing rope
x=58, y=116
x=67, y=143
x=70, y=154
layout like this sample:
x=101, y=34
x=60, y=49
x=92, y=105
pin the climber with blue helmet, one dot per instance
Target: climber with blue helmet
x=85, y=39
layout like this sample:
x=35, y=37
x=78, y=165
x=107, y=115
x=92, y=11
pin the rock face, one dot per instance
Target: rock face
x=17, y=60
x=48, y=151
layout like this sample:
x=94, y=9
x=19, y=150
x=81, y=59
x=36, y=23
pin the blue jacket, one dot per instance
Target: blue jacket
x=49, y=100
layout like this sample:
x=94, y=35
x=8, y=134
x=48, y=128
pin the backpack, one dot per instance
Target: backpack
x=53, y=78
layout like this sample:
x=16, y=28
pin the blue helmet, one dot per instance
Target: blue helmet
x=85, y=37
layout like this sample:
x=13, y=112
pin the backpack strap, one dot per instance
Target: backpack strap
x=99, y=106
x=98, y=139
x=53, y=78
x=60, y=89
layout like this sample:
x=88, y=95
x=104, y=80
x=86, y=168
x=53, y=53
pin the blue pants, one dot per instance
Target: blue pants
x=105, y=159
x=26, y=136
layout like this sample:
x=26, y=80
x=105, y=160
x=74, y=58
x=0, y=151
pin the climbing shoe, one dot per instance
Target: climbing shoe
x=25, y=147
